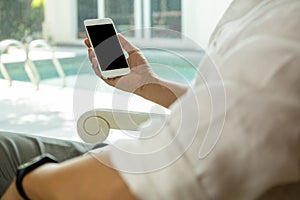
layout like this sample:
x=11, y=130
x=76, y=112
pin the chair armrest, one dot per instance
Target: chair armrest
x=94, y=125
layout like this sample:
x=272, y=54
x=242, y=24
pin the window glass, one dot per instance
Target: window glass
x=166, y=14
x=85, y=11
x=121, y=13
x=44, y=61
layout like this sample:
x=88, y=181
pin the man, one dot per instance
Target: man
x=256, y=47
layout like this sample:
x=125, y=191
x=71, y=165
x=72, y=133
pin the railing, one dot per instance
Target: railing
x=4, y=46
x=29, y=66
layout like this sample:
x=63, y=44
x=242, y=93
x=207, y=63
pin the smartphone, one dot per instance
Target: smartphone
x=108, y=51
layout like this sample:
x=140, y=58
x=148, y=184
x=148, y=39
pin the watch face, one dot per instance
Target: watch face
x=28, y=167
x=34, y=160
x=38, y=160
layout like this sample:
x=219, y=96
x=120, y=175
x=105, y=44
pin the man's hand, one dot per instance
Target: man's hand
x=12, y=192
x=140, y=80
x=140, y=71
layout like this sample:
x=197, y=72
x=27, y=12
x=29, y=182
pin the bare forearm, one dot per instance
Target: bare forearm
x=162, y=92
x=80, y=178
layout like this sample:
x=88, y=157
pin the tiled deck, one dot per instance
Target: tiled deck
x=50, y=111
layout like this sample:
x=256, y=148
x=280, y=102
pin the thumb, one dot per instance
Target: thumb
x=126, y=45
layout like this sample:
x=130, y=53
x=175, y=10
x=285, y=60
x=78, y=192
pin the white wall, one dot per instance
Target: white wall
x=61, y=20
x=200, y=18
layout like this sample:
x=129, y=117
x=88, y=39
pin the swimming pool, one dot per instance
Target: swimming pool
x=50, y=111
x=179, y=66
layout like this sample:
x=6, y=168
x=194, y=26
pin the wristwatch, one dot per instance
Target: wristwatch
x=28, y=167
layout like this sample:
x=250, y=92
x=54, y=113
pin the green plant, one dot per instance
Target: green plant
x=20, y=18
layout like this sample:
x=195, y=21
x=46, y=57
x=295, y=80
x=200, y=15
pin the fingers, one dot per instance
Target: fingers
x=91, y=54
x=93, y=59
x=96, y=67
x=87, y=42
x=94, y=62
x=126, y=45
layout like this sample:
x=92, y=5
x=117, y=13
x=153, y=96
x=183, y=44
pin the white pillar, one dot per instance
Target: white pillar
x=147, y=19
x=60, y=24
x=138, y=18
x=101, y=8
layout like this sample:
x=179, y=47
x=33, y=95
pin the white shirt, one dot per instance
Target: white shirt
x=236, y=133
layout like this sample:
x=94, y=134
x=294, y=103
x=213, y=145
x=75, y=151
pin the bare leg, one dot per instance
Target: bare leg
x=16, y=149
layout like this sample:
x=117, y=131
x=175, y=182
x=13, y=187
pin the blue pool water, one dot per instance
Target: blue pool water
x=178, y=66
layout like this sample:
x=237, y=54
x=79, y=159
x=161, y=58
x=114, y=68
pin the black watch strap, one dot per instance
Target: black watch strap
x=28, y=167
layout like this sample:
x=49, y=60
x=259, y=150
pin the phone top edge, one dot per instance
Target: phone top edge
x=91, y=22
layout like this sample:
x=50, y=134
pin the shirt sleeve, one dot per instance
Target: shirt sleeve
x=258, y=143
x=258, y=148
x=156, y=168
x=254, y=149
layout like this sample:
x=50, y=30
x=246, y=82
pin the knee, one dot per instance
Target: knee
x=3, y=135
x=7, y=164
x=4, y=144
x=8, y=144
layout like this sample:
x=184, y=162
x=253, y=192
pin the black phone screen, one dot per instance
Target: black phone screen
x=107, y=47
